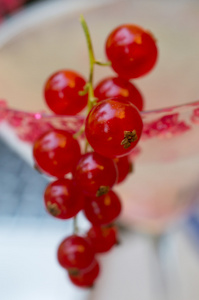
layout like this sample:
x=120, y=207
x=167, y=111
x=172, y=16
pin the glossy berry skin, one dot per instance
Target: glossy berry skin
x=95, y=174
x=108, y=123
x=63, y=199
x=102, y=210
x=75, y=252
x=117, y=87
x=124, y=166
x=61, y=92
x=85, y=277
x=131, y=50
x=56, y=152
x=102, y=238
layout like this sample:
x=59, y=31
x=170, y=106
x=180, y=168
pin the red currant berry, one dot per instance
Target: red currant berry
x=117, y=87
x=102, y=210
x=131, y=50
x=95, y=174
x=62, y=92
x=124, y=166
x=102, y=238
x=62, y=199
x=85, y=277
x=113, y=127
x=56, y=152
x=75, y=252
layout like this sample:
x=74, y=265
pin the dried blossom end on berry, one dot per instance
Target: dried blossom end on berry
x=53, y=209
x=129, y=137
x=102, y=190
x=73, y=271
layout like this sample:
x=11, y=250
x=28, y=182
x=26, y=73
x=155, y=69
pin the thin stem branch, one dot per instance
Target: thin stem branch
x=75, y=226
x=91, y=97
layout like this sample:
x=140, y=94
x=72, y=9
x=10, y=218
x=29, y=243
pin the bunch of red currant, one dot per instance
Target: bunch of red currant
x=112, y=129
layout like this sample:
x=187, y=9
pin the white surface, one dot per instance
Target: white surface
x=29, y=269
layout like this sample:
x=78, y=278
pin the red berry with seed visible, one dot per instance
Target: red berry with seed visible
x=131, y=50
x=85, y=277
x=102, y=210
x=63, y=199
x=117, y=87
x=124, y=166
x=102, y=238
x=56, y=152
x=95, y=174
x=61, y=92
x=75, y=252
x=113, y=127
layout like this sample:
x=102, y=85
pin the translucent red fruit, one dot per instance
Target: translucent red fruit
x=75, y=252
x=102, y=238
x=117, y=87
x=124, y=167
x=61, y=92
x=131, y=50
x=95, y=174
x=63, y=199
x=56, y=152
x=113, y=127
x=85, y=277
x=102, y=210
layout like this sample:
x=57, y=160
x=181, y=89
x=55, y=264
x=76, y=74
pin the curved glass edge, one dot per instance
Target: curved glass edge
x=163, y=123
x=38, y=115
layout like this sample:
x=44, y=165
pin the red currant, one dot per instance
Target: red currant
x=95, y=174
x=56, y=152
x=85, y=277
x=62, y=199
x=117, y=87
x=102, y=210
x=62, y=92
x=102, y=238
x=124, y=166
x=131, y=50
x=75, y=252
x=113, y=127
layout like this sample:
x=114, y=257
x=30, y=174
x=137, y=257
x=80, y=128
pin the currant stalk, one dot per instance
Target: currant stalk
x=89, y=85
x=92, y=61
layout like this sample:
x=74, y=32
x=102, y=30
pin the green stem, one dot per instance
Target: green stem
x=92, y=62
x=91, y=98
x=78, y=133
x=99, y=63
x=75, y=226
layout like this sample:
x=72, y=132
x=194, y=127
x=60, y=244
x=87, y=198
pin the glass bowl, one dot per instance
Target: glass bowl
x=165, y=181
x=164, y=185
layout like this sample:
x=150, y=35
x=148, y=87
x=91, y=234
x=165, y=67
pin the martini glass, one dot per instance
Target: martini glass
x=164, y=187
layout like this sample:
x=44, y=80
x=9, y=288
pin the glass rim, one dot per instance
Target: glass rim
x=43, y=114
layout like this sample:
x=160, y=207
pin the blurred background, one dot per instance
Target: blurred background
x=163, y=268
x=9, y=7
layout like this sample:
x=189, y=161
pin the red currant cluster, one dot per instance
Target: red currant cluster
x=112, y=129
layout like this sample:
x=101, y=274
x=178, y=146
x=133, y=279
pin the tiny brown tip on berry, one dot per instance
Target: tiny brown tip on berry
x=73, y=271
x=129, y=137
x=53, y=209
x=102, y=190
